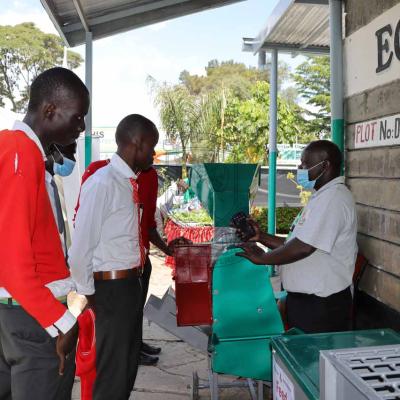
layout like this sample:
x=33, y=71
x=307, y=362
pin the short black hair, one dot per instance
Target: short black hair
x=54, y=84
x=132, y=125
x=330, y=151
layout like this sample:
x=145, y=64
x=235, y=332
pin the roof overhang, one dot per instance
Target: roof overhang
x=73, y=18
x=294, y=26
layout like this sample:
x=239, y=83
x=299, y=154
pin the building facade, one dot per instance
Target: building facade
x=372, y=114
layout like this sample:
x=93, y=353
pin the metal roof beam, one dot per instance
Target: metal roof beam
x=292, y=48
x=250, y=43
x=313, y=2
x=52, y=15
x=130, y=22
x=81, y=14
x=112, y=16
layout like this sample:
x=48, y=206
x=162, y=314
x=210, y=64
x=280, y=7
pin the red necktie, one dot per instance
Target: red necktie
x=136, y=201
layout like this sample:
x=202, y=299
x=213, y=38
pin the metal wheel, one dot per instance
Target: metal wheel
x=194, y=387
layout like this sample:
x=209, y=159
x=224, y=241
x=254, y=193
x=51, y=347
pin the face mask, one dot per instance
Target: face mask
x=64, y=169
x=303, y=179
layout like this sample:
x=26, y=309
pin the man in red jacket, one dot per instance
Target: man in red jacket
x=36, y=329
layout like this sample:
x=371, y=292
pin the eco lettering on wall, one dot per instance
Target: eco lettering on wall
x=378, y=133
x=372, y=53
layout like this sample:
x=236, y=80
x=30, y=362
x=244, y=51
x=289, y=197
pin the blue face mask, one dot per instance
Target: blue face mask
x=303, y=179
x=64, y=169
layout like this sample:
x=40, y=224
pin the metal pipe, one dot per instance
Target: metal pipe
x=88, y=81
x=336, y=62
x=262, y=60
x=272, y=155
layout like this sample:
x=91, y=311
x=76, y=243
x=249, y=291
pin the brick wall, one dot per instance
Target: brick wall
x=373, y=174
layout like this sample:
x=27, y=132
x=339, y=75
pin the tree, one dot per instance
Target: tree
x=230, y=75
x=178, y=114
x=247, y=125
x=25, y=52
x=313, y=83
x=210, y=126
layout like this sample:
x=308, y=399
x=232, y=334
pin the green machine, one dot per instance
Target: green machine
x=245, y=314
x=245, y=317
x=224, y=189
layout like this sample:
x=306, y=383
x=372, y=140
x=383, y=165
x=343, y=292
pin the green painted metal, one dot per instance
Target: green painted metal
x=272, y=193
x=223, y=189
x=300, y=353
x=245, y=317
x=88, y=150
x=338, y=135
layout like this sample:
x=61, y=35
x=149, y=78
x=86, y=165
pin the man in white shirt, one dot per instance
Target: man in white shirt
x=107, y=256
x=318, y=257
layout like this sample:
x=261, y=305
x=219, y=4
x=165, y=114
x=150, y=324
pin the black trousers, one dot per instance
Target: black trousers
x=314, y=314
x=146, y=278
x=118, y=337
x=28, y=360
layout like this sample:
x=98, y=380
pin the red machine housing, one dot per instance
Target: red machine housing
x=193, y=285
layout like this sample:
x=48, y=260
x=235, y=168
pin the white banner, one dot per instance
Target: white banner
x=372, y=53
x=282, y=386
x=378, y=133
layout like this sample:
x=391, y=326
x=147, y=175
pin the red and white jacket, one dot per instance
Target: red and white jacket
x=31, y=256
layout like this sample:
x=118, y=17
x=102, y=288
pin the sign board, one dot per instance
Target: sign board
x=283, y=388
x=108, y=146
x=377, y=133
x=372, y=53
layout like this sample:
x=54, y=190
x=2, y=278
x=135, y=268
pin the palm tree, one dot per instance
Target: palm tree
x=178, y=114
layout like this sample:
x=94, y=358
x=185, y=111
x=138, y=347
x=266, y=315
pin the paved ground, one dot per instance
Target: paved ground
x=171, y=378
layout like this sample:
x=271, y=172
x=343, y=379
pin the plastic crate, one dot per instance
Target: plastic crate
x=193, y=285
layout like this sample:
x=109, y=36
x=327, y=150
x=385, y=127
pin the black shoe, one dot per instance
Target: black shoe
x=146, y=359
x=146, y=348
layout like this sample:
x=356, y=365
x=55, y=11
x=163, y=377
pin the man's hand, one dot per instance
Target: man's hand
x=65, y=344
x=180, y=241
x=253, y=253
x=256, y=237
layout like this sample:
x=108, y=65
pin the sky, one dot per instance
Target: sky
x=124, y=61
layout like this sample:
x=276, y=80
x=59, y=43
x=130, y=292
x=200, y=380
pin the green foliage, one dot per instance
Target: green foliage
x=228, y=74
x=235, y=77
x=227, y=110
x=284, y=218
x=247, y=125
x=210, y=126
x=195, y=216
x=25, y=52
x=178, y=114
x=313, y=83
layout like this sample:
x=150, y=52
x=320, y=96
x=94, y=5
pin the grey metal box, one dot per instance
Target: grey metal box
x=360, y=373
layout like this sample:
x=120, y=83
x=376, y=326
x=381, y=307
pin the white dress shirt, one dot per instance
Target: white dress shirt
x=50, y=191
x=328, y=223
x=58, y=288
x=106, y=235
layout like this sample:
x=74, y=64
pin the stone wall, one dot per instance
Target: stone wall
x=373, y=174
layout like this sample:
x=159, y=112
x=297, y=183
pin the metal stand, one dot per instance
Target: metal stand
x=163, y=313
x=214, y=386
